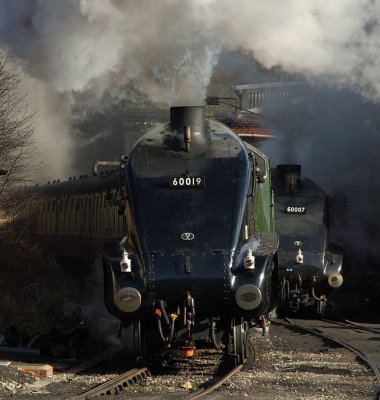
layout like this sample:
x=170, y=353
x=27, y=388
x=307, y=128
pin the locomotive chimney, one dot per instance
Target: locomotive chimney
x=289, y=175
x=189, y=124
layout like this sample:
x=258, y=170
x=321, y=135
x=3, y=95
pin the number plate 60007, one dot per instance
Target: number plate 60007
x=295, y=210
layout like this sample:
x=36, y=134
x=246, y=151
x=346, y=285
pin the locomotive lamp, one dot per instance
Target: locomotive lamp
x=128, y=299
x=299, y=257
x=249, y=260
x=335, y=279
x=248, y=297
x=125, y=263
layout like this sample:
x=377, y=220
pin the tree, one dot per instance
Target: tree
x=32, y=287
x=16, y=136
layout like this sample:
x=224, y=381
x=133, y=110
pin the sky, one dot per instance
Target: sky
x=77, y=57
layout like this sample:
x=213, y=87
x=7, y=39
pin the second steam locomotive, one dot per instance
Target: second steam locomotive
x=309, y=264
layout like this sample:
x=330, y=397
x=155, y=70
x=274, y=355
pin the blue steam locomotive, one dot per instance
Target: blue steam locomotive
x=186, y=232
x=309, y=264
x=198, y=260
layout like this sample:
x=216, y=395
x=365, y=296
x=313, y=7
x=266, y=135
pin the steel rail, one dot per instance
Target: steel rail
x=75, y=370
x=87, y=364
x=347, y=321
x=319, y=333
x=345, y=324
x=351, y=325
x=365, y=328
x=116, y=385
x=215, y=385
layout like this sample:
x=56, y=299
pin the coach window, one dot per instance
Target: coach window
x=48, y=208
x=79, y=204
x=90, y=204
x=60, y=207
x=113, y=198
x=72, y=204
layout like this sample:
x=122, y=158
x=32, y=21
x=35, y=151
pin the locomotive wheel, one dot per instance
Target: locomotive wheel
x=318, y=309
x=238, y=340
x=132, y=340
x=137, y=339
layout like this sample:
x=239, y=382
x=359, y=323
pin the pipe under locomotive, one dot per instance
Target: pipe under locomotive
x=199, y=258
x=310, y=265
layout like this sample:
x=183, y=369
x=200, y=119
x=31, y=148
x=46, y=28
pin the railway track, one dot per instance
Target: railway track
x=75, y=370
x=116, y=385
x=285, y=364
x=122, y=382
x=354, y=349
x=87, y=364
x=346, y=323
x=214, y=385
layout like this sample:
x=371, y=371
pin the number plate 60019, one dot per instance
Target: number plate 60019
x=189, y=181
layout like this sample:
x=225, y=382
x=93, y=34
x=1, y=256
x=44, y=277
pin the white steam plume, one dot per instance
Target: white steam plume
x=167, y=49
x=334, y=42
x=70, y=43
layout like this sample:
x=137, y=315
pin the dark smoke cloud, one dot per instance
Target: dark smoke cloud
x=330, y=132
x=335, y=135
x=80, y=55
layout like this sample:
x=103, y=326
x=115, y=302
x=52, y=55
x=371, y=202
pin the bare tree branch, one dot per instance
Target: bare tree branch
x=16, y=135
